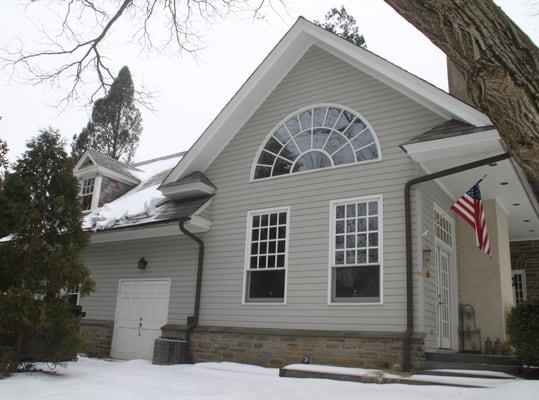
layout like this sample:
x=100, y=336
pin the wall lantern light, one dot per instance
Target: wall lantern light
x=142, y=263
x=427, y=259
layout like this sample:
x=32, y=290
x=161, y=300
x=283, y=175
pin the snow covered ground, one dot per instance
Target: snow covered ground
x=139, y=380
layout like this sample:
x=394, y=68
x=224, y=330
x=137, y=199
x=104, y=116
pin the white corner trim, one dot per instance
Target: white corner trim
x=97, y=192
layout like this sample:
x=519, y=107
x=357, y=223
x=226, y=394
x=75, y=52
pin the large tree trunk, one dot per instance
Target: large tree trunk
x=499, y=62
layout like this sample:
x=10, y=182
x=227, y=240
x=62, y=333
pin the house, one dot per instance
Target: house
x=285, y=229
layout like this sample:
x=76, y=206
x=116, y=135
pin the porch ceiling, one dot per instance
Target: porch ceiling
x=504, y=180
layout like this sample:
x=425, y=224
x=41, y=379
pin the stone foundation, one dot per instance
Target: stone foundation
x=97, y=336
x=276, y=347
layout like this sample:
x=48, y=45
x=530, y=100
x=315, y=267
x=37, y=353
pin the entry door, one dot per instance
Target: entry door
x=141, y=311
x=444, y=299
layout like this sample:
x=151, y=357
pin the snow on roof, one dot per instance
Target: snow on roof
x=141, y=204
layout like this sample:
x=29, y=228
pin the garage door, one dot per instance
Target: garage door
x=141, y=311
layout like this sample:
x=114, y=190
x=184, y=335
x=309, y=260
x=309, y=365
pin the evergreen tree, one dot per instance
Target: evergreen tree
x=43, y=262
x=339, y=22
x=116, y=124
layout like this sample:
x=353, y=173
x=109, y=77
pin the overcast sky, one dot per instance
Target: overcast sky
x=191, y=92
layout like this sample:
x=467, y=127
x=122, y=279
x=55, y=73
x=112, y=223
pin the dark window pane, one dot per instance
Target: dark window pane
x=303, y=140
x=273, y=233
x=344, y=121
x=331, y=118
x=293, y=125
x=362, y=209
x=263, y=247
x=373, y=239
x=373, y=223
x=373, y=208
x=282, y=134
x=256, y=220
x=281, y=167
x=320, y=136
x=350, y=210
x=350, y=225
x=350, y=241
x=339, y=257
x=363, y=140
x=264, y=220
x=255, y=235
x=350, y=257
x=86, y=202
x=272, y=246
x=357, y=282
x=253, y=262
x=368, y=153
x=361, y=256
x=262, y=262
x=290, y=151
x=266, y=285
x=280, y=261
x=361, y=224
x=362, y=240
x=319, y=115
x=339, y=242
x=336, y=140
x=262, y=172
x=373, y=255
x=263, y=233
x=312, y=160
x=340, y=211
x=344, y=156
x=305, y=118
x=281, y=246
x=254, y=248
x=273, y=219
x=282, y=232
x=273, y=145
x=282, y=218
x=266, y=158
x=355, y=129
x=339, y=227
x=271, y=261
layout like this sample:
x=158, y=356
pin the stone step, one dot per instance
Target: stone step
x=423, y=365
x=473, y=358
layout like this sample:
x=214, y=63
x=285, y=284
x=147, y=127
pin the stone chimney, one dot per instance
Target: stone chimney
x=457, y=83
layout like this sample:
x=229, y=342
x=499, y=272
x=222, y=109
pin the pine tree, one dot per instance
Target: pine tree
x=116, y=124
x=339, y=22
x=43, y=261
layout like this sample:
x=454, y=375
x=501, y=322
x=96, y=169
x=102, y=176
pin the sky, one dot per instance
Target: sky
x=191, y=90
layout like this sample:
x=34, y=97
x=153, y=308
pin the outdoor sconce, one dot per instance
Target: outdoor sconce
x=427, y=254
x=142, y=263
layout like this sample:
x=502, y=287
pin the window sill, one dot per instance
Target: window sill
x=355, y=303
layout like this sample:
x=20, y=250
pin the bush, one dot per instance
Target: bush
x=523, y=328
x=6, y=361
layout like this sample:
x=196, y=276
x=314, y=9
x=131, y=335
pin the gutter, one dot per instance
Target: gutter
x=192, y=321
x=408, y=240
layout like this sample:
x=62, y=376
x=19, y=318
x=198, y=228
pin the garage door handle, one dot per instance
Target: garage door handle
x=139, y=326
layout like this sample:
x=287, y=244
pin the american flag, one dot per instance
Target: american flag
x=470, y=208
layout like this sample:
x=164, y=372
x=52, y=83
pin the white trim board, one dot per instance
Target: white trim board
x=278, y=63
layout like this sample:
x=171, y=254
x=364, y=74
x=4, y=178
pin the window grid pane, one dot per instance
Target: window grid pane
x=443, y=228
x=268, y=241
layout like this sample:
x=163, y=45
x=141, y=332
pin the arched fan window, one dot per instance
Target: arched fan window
x=317, y=137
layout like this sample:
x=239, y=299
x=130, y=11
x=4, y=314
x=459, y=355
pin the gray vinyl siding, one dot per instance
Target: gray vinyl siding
x=317, y=78
x=168, y=257
x=431, y=193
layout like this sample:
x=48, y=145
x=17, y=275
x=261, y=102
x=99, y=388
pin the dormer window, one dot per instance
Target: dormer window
x=317, y=137
x=87, y=193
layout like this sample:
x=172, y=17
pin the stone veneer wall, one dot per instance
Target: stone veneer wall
x=112, y=189
x=525, y=255
x=275, y=347
x=97, y=336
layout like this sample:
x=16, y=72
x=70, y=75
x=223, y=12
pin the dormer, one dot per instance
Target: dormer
x=102, y=179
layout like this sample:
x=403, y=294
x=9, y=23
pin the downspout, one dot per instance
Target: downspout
x=408, y=239
x=192, y=322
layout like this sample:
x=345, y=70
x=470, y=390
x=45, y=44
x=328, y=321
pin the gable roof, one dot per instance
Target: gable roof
x=301, y=36
x=101, y=160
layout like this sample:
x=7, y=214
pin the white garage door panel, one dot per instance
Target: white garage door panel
x=141, y=311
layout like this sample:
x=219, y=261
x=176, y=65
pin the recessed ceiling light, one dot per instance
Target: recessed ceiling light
x=516, y=204
x=525, y=220
x=504, y=183
x=493, y=164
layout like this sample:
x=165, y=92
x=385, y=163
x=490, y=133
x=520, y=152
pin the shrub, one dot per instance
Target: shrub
x=523, y=328
x=6, y=361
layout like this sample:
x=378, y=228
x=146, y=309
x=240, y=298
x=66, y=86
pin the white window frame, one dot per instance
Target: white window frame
x=522, y=273
x=297, y=112
x=246, y=269
x=96, y=191
x=331, y=256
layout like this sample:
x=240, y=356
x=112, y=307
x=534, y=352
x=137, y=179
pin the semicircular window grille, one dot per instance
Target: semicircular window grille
x=315, y=138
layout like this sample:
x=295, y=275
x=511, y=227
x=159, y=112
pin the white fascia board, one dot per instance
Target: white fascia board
x=196, y=224
x=430, y=150
x=184, y=190
x=278, y=63
x=99, y=170
x=81, y=161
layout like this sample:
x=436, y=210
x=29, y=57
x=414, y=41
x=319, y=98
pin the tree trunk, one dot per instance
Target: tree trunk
x=498, y=61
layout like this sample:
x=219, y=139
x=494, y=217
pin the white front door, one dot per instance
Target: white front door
x=141, y=311
x=443, y=261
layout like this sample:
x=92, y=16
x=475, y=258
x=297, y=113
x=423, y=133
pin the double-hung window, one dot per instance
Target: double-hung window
x=86, y=193
x=356, y=250
x=519, y=285
x=266, y=256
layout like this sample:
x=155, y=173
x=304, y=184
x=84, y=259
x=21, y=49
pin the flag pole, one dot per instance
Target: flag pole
x=446, y=211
